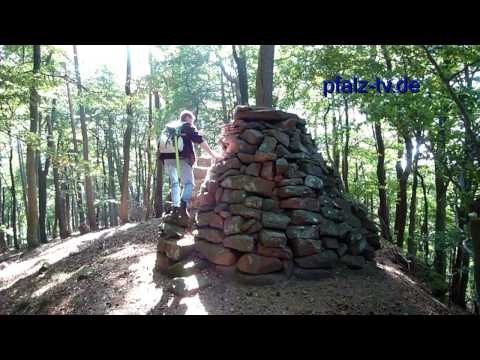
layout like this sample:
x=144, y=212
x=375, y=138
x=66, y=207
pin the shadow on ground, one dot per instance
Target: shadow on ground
x=111, y=272
x=378, y=289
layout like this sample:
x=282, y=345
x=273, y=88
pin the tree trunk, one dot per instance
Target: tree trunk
x=460, y=271
x=77, y=189
x=95, y=181
x=146, y=194
x=139, y=167
x=475, y=233
x=117, y=159
x=105, y=212
x=335, y=151
x=424, y=229
x=467, y=195
x=159, y=170
x=83, y=121
x=346, y=149
x=65, y=187
x=67, y=209
x=459, y=276
x=383, y=212
x=264, y=88
x=224, y=100
x=14, y=198
x=112, y=206
x=402, y=177
x=23, y=176
x=32, y=209
x=234, y=95
x=327, y=147
x=42, y=190
x=440, y=261
x=60, y=213
x=159, y=187
x=241, y=62
x=6, y=221
x=411, y=245
x=3, y=243
x=74, y=214
x=126, y=147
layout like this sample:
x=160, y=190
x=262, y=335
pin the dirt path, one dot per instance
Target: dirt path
x=111, y=272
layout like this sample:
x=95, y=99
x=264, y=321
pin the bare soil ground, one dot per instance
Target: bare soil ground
x=111, y=272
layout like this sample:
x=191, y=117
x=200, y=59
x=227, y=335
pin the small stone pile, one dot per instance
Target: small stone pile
x=274, y=205
x=175, y=248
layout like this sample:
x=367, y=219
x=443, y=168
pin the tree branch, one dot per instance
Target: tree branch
x=463, y=69
x=224, y=72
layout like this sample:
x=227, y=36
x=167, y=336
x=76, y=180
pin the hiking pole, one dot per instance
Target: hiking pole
x=177, y=156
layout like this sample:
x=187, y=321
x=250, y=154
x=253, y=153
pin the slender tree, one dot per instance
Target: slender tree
x=60, y=208
x=402, y=177
x=146, y=195
x=3, y=243
x=83, y=121
x=13, y=196
x=264, y=88
x=126, y=146
x=383, y=212
x=31, y=173
x=475, y=232
x=346, y=149
x=411, y=244
x=424, y=228
x=441, y=185
x=76, y=184
x=42, y=189
x=241, y=62
x=23, y=176
x=159, y=177
x=112, y=205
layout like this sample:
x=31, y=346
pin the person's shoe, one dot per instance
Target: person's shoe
x=179, y=216
x=172, y=215
x=183, y=206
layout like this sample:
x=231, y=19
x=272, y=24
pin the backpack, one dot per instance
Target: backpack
x=166, y=143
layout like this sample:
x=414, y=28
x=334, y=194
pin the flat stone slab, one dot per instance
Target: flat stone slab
x=186, y=286
x=230, y=273
x=185, y=268
x=257, y=113
x=179, y=249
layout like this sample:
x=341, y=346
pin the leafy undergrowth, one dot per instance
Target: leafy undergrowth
x=111, y=272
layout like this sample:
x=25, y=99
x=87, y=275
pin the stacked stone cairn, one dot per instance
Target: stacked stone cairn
x=273, y=205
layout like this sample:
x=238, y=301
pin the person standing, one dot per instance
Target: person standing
x=187, y=155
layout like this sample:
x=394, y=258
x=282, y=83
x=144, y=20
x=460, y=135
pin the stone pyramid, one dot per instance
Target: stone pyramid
x=274, y=205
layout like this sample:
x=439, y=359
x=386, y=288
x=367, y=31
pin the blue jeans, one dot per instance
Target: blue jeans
x=186, y=177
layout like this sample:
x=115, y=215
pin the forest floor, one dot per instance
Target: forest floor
x=111, y=272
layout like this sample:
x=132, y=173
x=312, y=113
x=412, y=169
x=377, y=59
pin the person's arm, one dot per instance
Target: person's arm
x=214, y=154
x=198, y=139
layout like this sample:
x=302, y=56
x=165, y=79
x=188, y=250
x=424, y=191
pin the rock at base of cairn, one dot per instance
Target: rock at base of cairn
x=186, y=286
x=175, y=248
